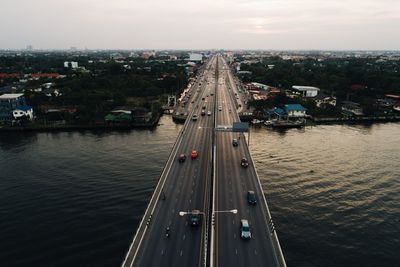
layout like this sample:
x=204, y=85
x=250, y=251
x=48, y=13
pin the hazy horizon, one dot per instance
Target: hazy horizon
x=350, y=25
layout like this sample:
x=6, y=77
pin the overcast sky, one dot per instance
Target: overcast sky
x=200, y=24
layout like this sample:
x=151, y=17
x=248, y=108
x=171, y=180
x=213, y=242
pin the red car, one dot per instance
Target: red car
x=182, y=157
x=194, y=154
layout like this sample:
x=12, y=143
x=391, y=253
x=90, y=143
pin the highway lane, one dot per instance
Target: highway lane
x=232, y=184
x=185, y=189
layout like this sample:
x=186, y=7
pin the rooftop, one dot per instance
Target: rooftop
x=10, y=96
x=305, y=88
x=292, y=107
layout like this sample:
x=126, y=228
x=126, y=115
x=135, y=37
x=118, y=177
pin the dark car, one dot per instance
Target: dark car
x=203, y=112
x=251, y=197
x=195, y=218
x=235, y=142
x=182, y=157
x=244, y=163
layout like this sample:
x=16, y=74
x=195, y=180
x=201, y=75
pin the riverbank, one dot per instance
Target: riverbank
x=333, y=120
x=70, y=128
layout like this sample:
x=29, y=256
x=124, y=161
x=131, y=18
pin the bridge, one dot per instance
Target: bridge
x=214, y=185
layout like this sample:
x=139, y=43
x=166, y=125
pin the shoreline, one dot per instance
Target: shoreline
x=85, y=127
x=181, y=119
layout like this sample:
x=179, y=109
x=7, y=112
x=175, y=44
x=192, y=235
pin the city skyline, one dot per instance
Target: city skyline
x=227, y=24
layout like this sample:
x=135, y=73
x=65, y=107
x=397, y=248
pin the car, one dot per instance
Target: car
x=244, y=163
x=209, y=113
x=182, y=158
x=235, y=142
x=194, y=117
x=195, y=218
x=194, y=154
x=251, y=198
x=203, y=107
x=203, y=112
x=192, y=101
x=245, y=232
x=203, y=98
x=219, y=108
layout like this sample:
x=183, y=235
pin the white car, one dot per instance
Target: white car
x=209, y=113
x=245, y=229
x=220, y=108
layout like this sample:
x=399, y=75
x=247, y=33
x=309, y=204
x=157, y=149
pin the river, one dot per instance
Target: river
x=76, y=198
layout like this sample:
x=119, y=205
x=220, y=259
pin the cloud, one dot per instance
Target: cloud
x=199, y=24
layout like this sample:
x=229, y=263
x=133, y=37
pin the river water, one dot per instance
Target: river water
x=76, y=198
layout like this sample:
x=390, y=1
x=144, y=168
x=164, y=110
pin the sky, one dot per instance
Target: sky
x=201, y=24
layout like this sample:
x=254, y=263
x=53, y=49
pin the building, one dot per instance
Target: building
x=195, y=57
x=295, y=110
x=71, y=64
x=260, y=86
x=128, y=115
x=306, y=91
x=9, y=103
x=321, y=100
x=351, y=109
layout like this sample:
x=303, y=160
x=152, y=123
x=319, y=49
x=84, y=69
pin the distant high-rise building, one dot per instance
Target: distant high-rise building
x=29, y=47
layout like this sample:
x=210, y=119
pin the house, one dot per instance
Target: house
x=350, y=108
x=306, y=91
x=127, y=115
x=8, y=103
x=322, y=100
x=260, y=86
x=276, y=113
x=23, y=111
x=295, y=110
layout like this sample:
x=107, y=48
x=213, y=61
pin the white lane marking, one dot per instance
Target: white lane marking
x=190, y=201
x=233, y=221
x=181, y=253
x=234, y=236
x=184, y=237
x=162, y=252
x=255, y=252
x=236, y=251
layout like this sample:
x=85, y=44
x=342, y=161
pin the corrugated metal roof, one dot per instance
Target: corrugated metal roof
x=294, y=107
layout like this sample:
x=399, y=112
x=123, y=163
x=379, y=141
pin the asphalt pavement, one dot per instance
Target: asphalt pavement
x=232, y=183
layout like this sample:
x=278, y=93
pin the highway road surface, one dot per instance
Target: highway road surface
x=214, y=177
x=232, y=181
x=185, y=186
